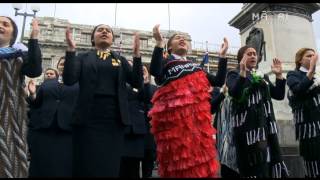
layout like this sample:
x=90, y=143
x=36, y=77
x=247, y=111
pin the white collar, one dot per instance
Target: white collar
x=303, y=69
x=179, y=57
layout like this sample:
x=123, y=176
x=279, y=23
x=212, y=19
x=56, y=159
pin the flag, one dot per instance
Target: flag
x=205, y=59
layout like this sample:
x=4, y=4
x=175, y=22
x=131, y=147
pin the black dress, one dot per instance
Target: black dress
x=101, y=113
x=49, y=133
x=254, y=124
x=304, y=99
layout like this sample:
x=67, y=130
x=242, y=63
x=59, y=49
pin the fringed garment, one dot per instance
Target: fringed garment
x=225, y=139
x=255, y=132
x=181, y=123
x=13, y=124
x=306, y=116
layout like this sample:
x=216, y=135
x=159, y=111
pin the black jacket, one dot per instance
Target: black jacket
x=139, y=105
x=236, y=85
x=32, y=60
x=136, y=111
x=298, y=82
x=216, y=98
x=82, y=68
x=53, y=97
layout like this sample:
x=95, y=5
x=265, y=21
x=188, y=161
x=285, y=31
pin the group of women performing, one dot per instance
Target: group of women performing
x=87, y=117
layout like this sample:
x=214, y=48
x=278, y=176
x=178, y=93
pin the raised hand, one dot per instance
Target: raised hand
x=157, y=35
x=35, y=29
x=145, y=75
x=145, y=78
x=313, y=62
x=70, y=42
x=276, y=68
x=224, y=48
x=312, y=67
x=243, y=65
x=32, y=87
x=224, y=89
x=136, y=45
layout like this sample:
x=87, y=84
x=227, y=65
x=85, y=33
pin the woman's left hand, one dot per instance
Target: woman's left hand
x=224, y=48
x=276, y=68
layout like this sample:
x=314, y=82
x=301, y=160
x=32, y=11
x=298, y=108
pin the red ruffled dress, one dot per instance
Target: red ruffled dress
x=181, y=123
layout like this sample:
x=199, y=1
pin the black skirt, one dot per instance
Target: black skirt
x=50, y=152
x=134, y=145
x=98, y=145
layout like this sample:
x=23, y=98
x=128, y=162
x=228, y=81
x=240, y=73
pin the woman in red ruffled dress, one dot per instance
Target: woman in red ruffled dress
x=181, y=121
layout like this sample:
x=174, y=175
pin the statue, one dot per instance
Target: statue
x=256, y=40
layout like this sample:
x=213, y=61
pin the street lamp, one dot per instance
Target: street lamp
x=17, y=7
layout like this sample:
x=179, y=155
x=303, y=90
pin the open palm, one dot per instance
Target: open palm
x=156, y=33
x=70, y=42
x=136, y=44
x=224, y=47
x=276, y=66
x=35, y=28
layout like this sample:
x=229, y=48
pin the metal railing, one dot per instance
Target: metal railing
x=212, y=47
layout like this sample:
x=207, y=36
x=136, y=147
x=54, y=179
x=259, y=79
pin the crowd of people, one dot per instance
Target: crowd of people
x=98, y=114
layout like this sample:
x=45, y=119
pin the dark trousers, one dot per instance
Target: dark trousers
x=130, y=167
x=148, y=163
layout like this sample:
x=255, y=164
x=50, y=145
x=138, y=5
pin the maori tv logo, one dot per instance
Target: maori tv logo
x=269, y=16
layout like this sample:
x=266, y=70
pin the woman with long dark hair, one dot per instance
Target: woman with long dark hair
x=102, y=109
x=254, y=124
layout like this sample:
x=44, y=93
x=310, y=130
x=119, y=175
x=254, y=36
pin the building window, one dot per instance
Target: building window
x=85, y=38
x=46, y=63
x=143, y=43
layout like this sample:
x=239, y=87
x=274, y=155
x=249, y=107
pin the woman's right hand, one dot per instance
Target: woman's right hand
x=157, y=36
x=70, y=42
x=312, y=67
x=243, y=67
x=35, y=29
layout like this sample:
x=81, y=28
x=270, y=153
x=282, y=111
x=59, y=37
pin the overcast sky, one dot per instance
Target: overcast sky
x=204, y=22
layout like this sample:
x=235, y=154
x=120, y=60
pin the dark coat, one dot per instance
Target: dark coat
x=53, y=97
x=304, y=99
x=136, y=111
x=82, y=68
x=236, y=85
x=149, y=90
